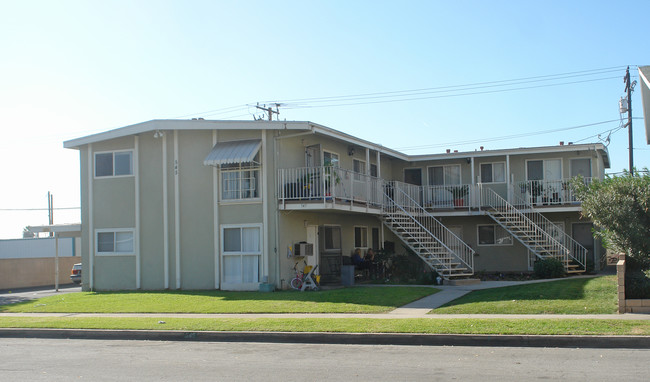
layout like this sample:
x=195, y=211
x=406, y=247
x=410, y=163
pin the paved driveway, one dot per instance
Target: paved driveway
x=26, y=294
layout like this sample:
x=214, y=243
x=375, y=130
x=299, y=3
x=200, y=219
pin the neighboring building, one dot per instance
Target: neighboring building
x=195, y=204
x=644, y=77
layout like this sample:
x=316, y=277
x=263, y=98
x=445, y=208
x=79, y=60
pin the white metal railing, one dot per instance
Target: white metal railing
x=327, y=184
x=577, y=252
x=399, y=203
x=537, y=239
x=545, y=192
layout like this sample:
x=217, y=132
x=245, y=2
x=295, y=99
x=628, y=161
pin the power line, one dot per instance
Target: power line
x=505, y=137
x=452, y=88
x=448, y=95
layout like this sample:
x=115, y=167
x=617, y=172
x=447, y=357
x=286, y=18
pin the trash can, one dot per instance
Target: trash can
x=347, y=275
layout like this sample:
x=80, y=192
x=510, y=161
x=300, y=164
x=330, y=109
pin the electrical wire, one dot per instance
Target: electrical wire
x=505, y=137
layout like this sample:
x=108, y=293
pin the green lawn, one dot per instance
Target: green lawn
x=350, y=325
x=346, y=300
x=572, y=296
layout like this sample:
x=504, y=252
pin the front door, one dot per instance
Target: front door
x=330, y=254
x=582, y=234
x=312, y=238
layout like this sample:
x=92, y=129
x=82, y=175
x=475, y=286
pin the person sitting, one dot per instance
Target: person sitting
x=370, y=255
x=357, y=260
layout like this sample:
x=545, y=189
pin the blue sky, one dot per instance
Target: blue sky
x=72, y=68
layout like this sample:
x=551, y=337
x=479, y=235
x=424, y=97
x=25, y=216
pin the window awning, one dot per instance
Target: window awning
x=233, y=152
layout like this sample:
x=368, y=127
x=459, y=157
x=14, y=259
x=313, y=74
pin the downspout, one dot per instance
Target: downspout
x=177, y=211
x=265, y=207
x=91, y=227
x=136, y=169
x=215, y=209
x=165, y=213
x=277, y=222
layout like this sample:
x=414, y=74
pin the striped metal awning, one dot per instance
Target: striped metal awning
x=233, y=152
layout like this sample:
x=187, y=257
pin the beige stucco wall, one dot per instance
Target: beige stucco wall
x=33, y=272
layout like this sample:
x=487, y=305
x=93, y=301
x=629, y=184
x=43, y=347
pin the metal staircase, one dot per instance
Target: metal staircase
x=534, y=231
x=434, y=243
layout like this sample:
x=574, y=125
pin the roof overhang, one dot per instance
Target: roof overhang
x=597, y=147
x=233, y=152
x=60, y=230
x=644, y=76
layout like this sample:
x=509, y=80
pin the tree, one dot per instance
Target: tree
x=620, y=207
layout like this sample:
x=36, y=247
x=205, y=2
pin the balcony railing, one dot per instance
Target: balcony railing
x=332, y=184
x=545, y=192
x=328, y=184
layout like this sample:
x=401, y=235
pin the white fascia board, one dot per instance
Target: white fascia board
x=74, y=229
x=644, y=75
x=518, y=151
x=175, y=124
x=358, y=141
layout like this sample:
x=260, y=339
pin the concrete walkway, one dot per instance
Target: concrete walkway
x=450, y=293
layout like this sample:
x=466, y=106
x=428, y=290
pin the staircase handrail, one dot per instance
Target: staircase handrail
x=467, y=255
x=580, y=254
x=498, y=203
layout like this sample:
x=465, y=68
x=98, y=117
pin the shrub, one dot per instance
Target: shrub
x=549, y=268
x=637, y=278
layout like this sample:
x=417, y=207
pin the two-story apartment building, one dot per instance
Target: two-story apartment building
x=196, y=204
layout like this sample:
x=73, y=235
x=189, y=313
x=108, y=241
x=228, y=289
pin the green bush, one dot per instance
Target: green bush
x=549, y=269
x=637, y=278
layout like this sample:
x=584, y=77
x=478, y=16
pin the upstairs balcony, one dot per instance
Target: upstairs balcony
x=327, y=187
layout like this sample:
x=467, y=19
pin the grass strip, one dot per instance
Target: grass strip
x=350, y=325
x=571, y=296
x=345, y=300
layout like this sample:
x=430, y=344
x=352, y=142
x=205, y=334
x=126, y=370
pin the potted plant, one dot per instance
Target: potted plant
x=458, y=193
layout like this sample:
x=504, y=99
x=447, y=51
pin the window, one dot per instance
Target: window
x=332, y=238
x=359, y=168
x=544, y=169
x=493, y=172
x=361, y=237
x=493, y=235
x=114, y=242
x=444, y=175
x=241, y=254
x=240, y=181
x=330, y=159
x=375, y=238
x=373, y=170
x=118, y=163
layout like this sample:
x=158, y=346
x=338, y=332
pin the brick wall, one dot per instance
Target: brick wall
x=625, y=305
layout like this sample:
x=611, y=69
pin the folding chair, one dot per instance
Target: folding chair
x=308, y=281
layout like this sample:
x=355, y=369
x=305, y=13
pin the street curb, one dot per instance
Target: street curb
x=610, y=342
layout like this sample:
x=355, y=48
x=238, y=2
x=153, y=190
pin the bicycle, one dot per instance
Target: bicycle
x=298, y=281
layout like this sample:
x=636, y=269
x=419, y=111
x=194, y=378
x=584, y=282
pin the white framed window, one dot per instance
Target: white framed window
x=360, y=237
x=444, y=175
x=112, y=241
x=359, y=168
x=241, y=250
x=492, y=234
x=493, y=172
x=113, y=163
x=376, y=238
x=547, y=169
x=330, y=159
x=240, y=181
x=332, y=240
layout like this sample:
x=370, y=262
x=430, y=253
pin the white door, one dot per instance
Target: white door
x=312, y=238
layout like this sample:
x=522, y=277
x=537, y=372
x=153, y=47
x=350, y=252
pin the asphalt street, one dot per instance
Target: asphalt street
x=66, y=360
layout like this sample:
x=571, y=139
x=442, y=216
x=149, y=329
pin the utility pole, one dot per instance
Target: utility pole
x=629, y=87
x=270, y=110
x=50, y=209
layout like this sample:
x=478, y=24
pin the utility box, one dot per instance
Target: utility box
x=303, y=249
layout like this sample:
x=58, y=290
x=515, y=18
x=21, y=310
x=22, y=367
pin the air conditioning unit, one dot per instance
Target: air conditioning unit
x=303, y=249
